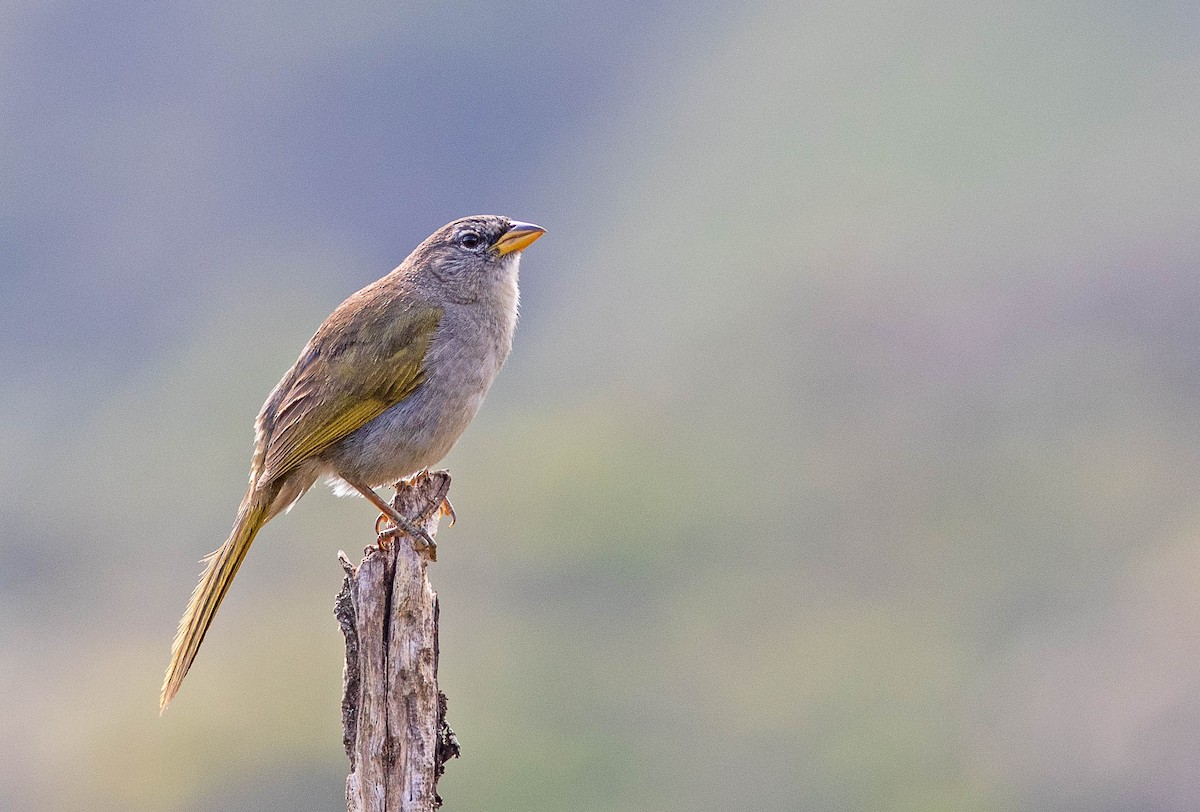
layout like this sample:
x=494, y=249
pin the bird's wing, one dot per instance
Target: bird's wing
x=350, y=373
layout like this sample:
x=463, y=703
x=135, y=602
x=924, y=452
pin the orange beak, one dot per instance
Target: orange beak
x=518, y=237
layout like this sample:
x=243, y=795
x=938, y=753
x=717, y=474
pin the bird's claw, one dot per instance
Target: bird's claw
x=384, y=532
x=443, y=508
x=446, y=509
x=422, y=541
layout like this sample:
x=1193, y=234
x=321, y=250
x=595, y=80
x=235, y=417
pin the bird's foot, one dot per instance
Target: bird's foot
x=392, y=523
x=422, y=541
x=442, y=508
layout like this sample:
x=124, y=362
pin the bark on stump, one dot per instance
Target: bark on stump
x=393, y=715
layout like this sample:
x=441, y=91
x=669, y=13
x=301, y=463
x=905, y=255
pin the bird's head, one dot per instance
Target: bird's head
x=474, y=257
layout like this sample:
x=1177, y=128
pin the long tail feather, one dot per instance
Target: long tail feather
x=214, y=583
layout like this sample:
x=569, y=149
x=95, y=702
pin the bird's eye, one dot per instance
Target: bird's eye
x=469, y=240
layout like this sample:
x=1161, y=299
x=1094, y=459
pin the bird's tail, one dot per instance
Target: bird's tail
x=214, y=583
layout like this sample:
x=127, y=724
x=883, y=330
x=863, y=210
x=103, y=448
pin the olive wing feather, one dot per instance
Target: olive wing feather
x=344, y=380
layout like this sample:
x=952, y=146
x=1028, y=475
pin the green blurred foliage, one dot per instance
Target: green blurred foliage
x=846, y=458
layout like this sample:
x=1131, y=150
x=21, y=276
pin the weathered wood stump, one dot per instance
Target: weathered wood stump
x=393, y=715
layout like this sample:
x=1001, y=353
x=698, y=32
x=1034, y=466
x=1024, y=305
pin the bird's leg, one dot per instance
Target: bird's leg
x=418, y=535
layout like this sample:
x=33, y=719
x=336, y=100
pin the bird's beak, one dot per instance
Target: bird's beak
x=518, y=237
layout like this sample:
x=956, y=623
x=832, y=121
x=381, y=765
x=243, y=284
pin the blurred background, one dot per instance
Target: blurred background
x=847, y=457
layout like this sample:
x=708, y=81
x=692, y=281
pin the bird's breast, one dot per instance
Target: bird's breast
x=463, y=359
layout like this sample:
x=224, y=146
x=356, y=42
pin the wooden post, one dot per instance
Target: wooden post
x=393, y=715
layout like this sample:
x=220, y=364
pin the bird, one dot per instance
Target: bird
x=382, y=391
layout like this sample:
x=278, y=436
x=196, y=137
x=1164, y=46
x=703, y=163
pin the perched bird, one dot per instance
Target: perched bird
x=381, y=391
